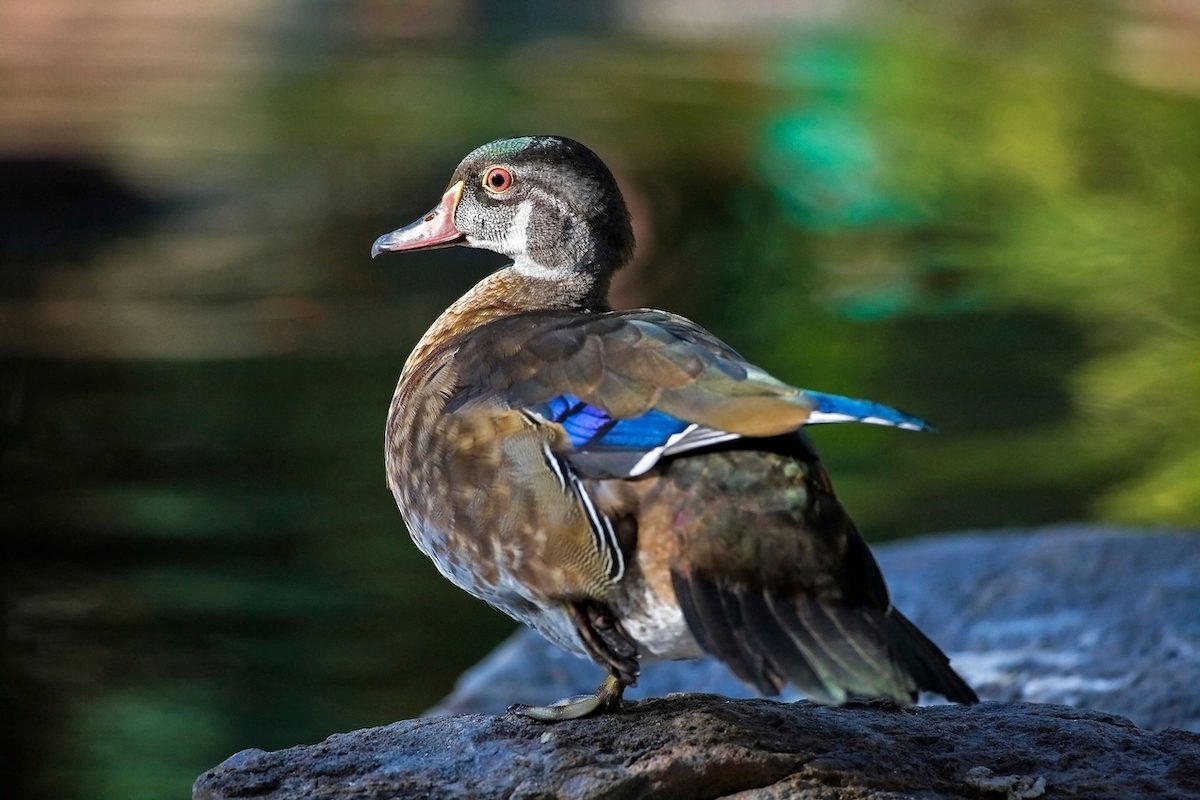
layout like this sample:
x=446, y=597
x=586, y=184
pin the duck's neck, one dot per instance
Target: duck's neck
x=522, y=287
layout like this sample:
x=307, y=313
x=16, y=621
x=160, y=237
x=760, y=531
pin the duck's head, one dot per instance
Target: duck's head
x=547, y=202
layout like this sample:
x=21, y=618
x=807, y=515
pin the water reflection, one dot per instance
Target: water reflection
x=983, y=213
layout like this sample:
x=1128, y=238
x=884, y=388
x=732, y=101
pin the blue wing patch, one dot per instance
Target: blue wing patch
x=627, y=448
x=835, y=408
x=592, y=428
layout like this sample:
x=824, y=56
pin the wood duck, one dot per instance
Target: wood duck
x=623, y=481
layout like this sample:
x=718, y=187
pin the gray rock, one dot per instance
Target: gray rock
x=699, y=746
x=1101, y=619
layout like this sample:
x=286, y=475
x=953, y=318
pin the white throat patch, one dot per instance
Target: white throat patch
x=516, y=243
x=526, y=266
x=516, y=240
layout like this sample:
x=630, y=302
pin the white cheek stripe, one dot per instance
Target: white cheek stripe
x=516, y=239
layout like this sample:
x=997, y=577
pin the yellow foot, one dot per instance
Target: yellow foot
x=607, y=698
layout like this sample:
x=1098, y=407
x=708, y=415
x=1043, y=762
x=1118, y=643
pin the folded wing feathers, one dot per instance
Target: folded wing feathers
x=630, y=365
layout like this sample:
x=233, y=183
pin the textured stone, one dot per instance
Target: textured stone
x=699, y=746
x=1102, y=619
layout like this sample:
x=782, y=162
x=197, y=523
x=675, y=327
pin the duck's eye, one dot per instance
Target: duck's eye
x=497, y=180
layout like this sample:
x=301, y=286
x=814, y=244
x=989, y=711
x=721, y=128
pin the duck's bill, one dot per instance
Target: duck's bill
x=435, y=229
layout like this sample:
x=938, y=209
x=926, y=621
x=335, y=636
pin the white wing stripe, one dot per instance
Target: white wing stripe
x=553, y=462
x=822, y=417
x=690, y=438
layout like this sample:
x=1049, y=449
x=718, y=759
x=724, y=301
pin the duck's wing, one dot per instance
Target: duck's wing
x=633, y=387
x=624, y=390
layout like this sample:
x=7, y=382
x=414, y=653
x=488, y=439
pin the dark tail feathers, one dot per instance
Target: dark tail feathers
x=830, y=652
x=925, y=661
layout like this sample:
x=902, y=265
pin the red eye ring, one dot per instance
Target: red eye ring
x=497, y=180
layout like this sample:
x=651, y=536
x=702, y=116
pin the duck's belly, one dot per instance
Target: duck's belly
x=654, y=622
x=658, y=626
x=496, y=586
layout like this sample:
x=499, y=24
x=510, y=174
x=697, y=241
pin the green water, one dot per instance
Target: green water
x=983, y=213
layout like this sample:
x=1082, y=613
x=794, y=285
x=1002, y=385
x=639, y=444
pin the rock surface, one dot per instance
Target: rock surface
x=703, y=746
x=1100, y=619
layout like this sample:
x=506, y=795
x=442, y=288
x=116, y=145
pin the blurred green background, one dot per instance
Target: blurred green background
x=986, y=213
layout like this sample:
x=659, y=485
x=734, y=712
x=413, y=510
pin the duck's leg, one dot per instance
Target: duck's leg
x=609, y=645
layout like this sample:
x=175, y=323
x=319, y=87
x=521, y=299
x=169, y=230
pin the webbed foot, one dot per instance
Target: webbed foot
x=606, y=699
